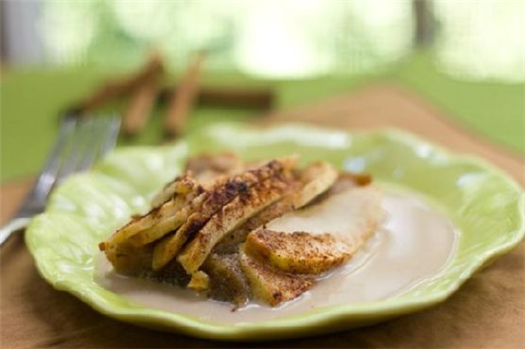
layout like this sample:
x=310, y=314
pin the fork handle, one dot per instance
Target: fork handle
x=11, y=227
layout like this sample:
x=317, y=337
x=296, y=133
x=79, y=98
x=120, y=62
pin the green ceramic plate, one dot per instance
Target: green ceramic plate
x=487, y=207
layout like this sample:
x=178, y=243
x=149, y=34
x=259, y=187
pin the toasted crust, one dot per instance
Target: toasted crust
x=299, y=252
x=230, y=217
x=195, y=215
x=180, y=185
x=270, y=285
x=128, y=259
x=213, y=200
x=232, y=230
x=317, y=178
x=149, y=227
x=187, y=188
x=311, y=182
x=230, y=242
x=167, y=223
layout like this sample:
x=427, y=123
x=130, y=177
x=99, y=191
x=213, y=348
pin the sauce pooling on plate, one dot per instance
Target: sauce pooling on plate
x=413, y=243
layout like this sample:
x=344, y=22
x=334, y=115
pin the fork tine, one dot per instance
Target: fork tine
x=80, y=142
x=48, y=175
x=95, y=139
x=111, y=136
x=36, y=199
x=102, y=138
x=78, y=151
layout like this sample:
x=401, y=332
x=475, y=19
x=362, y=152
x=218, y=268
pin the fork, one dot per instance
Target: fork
x=81, y=141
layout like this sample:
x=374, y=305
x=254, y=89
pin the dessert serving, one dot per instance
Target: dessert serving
x=274, y=246
x=238, y=232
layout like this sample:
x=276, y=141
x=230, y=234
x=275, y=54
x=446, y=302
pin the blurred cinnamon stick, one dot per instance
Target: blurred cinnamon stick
x=237, y=97
x=183, y=98
x=229, y=97
x=139, y=108
x=143, y=97
x=119, y=87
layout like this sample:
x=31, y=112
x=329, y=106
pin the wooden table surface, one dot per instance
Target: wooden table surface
x=488, y=311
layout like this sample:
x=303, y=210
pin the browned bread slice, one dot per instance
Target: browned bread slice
x=310, y=183
x=317, y=178
x=272, y=286
x=125, y=243
x=211, y=201
x=128, y=259
x=181, y=185
x=231, y=216
x=185, y=189
x=299, y=252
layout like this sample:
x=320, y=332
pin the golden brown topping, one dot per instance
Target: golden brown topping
x=128, y=259
x=185, y=190
x=273, y=286
x=317, y=178
x=207, y=229
x=230, y=217
x=211, y=201
x=309, y=184
x=299, y=252
x=181, y=185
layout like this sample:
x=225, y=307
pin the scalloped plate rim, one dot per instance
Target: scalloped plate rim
x=311, y=321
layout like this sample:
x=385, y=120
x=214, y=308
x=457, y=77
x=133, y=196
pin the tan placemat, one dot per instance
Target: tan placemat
x=488, y=311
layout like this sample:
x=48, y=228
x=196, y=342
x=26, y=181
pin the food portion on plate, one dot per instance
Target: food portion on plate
x=429, y=232
x=267, y=231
